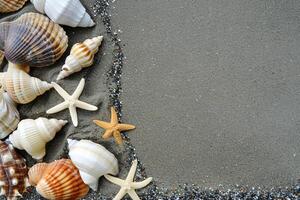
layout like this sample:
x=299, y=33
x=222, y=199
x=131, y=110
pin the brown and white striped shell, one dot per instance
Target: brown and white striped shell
x=58, y=180
x=1, y=57
x=11, y=5
x=33, y=39
x=13, y=172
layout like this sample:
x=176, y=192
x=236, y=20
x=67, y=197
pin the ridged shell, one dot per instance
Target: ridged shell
x=58, y=180
x=68, y=12
x=81, y=56
x=92, y=160
x=1, y=57
x=33, y=39
x=9, y=115
x=32, y=135
x=13, y=172
x=11, y=5
x=20, y=86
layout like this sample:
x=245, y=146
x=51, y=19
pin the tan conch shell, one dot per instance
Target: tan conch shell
x=20, y=86
x=32, y=135
x=9, y=115
x=11, y=5
x=58, y=180
x=13, y=172
x=33, y=39
x=81, y=56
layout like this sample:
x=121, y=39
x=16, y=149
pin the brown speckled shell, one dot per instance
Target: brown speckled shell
x=13, y=172
x=33, y=39
x=11, y=5
x=58, y=180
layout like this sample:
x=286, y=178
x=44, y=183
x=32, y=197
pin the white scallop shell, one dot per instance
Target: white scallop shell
x=67, y=12
x=32, y=135
x=92, y=160
x=9, y=115
x=81, y=56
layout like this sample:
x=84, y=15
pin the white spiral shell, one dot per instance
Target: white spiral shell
x=32, y=135
x=81, y=56
x=67, y=12
x=92, y=160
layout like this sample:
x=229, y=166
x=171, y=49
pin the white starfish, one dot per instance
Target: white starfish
x=71, y=102
x=128, y=185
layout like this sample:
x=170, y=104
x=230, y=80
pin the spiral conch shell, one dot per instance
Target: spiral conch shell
x=11, y=5
x=33, y=39
x=9, y=115
x=20, y=86
x=32, y=135
x=58, y=180
x=67, y=12
x=13, y=172
x=92, y=160
x=81, y=56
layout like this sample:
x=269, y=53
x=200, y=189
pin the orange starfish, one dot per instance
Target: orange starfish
x=113, y=129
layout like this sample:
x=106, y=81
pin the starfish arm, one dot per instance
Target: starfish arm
x=133, y=195
x=120, y=194
x=114, y=180
x=102, y=124
x=132, y=171
x=73, y=114
x=61, y=91
x=144, y=183
x=125, y=127
x=58, y=108
x=118, y=137
x=107, y=134
x=85, y=106
x=79, y=89
x=114, y=117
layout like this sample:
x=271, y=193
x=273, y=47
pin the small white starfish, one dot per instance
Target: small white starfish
x=128, y=185
x=71, y=102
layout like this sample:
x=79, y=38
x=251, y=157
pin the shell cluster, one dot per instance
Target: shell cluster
x=11, y=5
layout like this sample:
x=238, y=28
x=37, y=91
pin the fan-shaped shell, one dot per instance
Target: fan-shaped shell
x=9, y=115
x=20, y=86
x=11, y=5
x=32, y=135
x=58, y=180
x=81, y=56
x=69, y=12
x=92, y=160
x=33, y=39
x=13, y=172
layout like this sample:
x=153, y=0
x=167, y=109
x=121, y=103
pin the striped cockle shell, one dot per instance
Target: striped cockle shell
x=13, y=172
x=67, y=12
x=81, y=56
x=33, y=39
x=20, y=86
x=33, y=135
x=58, y=180
x=93, y=161
x=9, y=115
x=11, y=5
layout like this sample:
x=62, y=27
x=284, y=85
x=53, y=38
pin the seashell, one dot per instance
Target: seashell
x=11, y=5
x=33, y=39
x=1, y=57
x=92, y=160
x=58, y=180
x=81, y=56
x=9, y=115
x=13, y=172
x=32, y=135
x=69, y=12
x=20, y=86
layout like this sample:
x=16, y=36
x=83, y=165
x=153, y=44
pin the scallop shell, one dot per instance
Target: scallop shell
x=81, y=56
x=9, y=115
x=58, y=180
x=92, y=160
x=11, y=5
x=13, y=172
x=33, y=39
x=69, y=12
x=20, y=86
x=32, y=135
